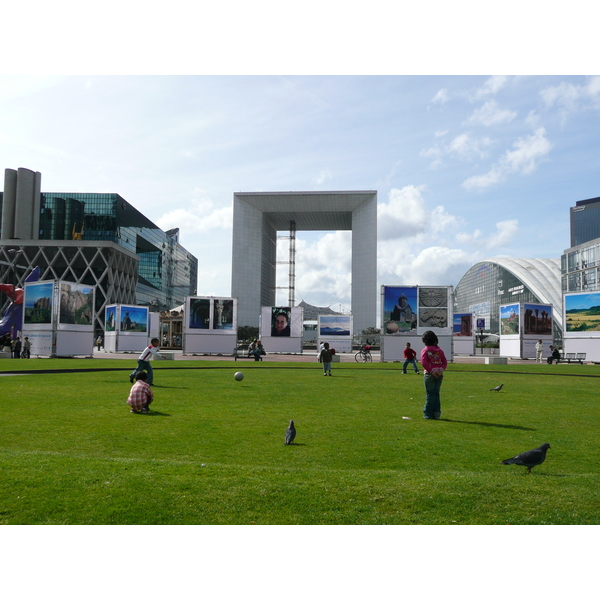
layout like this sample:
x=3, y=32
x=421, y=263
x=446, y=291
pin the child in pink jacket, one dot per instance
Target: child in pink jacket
x=434, y=364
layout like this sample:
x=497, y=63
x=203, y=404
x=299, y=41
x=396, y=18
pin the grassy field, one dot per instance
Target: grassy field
x=211, y=451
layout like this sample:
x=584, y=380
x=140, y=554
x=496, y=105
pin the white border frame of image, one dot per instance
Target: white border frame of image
x=126, y=341
x=209, y=341
x=43, y=335
x=288, y=345
x=463, y=344
x=510, y=345
x=342, y=343
x=580, y=341
x=393, y=344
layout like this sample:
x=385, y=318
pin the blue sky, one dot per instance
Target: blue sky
x=465, y=167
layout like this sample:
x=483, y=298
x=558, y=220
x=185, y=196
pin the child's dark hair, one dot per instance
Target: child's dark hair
x=155, y=341
x=141, y=376
x=430, y=339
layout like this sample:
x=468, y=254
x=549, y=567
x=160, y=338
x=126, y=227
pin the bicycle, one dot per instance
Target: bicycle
x=363, y=355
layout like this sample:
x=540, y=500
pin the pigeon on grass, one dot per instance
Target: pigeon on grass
x=529, y=459
x=497, y=388
x=290, y=433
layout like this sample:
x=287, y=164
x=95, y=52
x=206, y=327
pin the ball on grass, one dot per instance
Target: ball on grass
x=239, y=376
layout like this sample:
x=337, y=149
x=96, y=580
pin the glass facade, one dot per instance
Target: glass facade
x=580, y=268
x=167, y=272
x=585, y=221
x=485, y=287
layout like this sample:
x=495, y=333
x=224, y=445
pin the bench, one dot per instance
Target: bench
x=573, y=357
x=242, y=352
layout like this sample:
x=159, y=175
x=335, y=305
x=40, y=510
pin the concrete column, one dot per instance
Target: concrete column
x=9, y=200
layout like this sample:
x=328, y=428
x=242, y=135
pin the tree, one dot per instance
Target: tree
x=247, y=333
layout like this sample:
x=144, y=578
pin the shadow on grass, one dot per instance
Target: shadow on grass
x=154, y=413
x=490, y=424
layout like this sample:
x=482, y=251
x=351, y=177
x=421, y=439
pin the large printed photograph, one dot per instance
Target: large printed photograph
x=509, y=319
x=330, y=325
x=462, y=324
x=280, y=321
x=134, y=319
x=399, y=309
x=582, y=312
x=223, y=314
x=110, y=320
x=38, y=304
x=199, y=313
x=76, y=304
x=537, y=319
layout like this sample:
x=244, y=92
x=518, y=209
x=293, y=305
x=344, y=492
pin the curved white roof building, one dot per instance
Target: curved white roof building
x=494, y=282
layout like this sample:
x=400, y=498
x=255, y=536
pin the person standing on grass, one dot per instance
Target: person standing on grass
x=410, y=358
x=144, y=361
x=326, y=357
x=539, y=351
x=434, y=364
x=141, y=395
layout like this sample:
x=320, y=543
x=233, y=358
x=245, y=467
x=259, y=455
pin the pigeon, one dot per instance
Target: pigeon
x=497, y=388
x=290, y=433
x=529, y=459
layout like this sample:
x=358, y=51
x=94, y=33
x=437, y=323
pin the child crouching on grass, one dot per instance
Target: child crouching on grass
x=141, y=394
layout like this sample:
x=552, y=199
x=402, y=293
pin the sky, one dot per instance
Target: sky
x=465, y=167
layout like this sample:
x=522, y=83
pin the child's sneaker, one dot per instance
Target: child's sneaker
x=144, y=411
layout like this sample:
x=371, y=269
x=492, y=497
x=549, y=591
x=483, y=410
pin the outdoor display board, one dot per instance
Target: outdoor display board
x=126, y=328
x=581, y=318
x=209, y=325
x=521, y=326
x=337, y=330
x=409, y=311
x=58, y=318
x=281, y=328
x=463, y=333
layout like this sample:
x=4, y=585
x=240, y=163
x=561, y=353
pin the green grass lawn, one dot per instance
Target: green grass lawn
x=211, y=451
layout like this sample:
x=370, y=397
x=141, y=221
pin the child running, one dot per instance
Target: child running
x=143, y=363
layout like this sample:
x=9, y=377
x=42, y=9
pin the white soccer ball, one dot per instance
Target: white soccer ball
x=239, y=376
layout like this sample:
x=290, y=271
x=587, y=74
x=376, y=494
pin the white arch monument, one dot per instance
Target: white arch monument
x=257, y=217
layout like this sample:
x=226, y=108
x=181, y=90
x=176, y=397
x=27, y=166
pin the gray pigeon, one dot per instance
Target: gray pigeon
x=290, y=433
x=529, y=459
x=497, y=388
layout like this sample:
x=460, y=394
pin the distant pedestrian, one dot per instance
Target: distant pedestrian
x=26, y=348
x=141, y=395
x=144, y=361
x=16, y=347
x=539, y=351
x=99, y=342
x=434, y=364
x=555, y=356
x=410, y=357
x=326, y=357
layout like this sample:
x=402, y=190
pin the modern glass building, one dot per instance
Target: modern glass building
x=580, y=264
x=492, y=283
x=96, y=239
x=167, y=272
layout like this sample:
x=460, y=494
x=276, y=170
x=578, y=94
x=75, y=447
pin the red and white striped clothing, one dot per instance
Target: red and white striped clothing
x=140, y=396
x=148, y=352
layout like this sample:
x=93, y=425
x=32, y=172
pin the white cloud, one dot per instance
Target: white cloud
x=492, y=86
x=199, y=217
x=572, y=97
x=505, y=232
x=527, y=154
x=441, y=97
x=491, y=114
x=463, y=147
x=323, y=177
